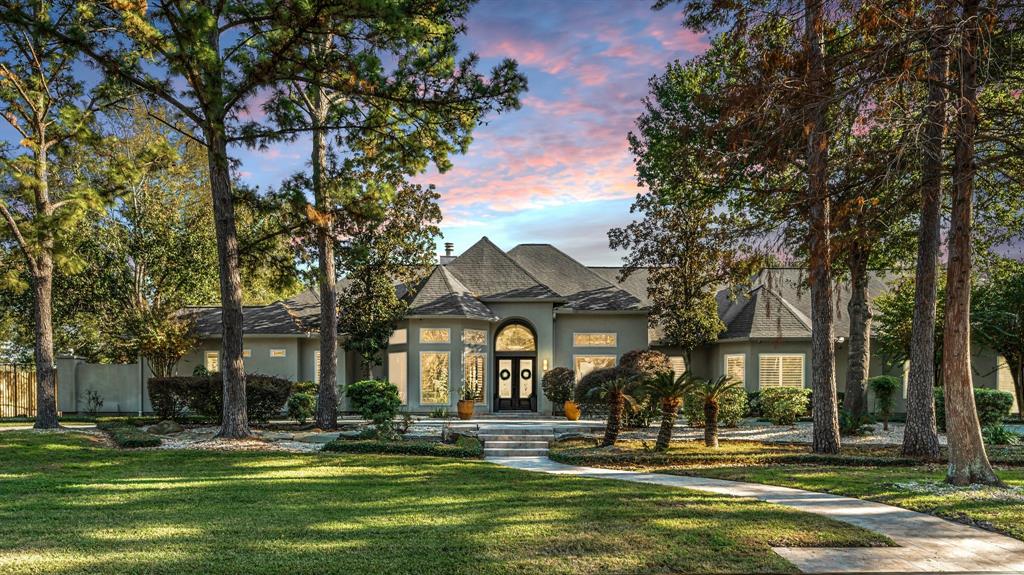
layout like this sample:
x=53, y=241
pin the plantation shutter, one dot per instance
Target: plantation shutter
x=316, y=367
x=792, y=371
x=770, y=371
x=678, y=364
x=781, y=370
x=735, y=367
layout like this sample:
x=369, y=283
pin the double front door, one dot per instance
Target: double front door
x=516, y=389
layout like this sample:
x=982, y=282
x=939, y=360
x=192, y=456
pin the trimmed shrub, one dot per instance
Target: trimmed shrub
x=646, y=362
x=265, y=396
x=558, y=384
x=993, y=406
x=731, y=408
x=429, y=448
x=127, y=436
x=784, y=405
x=301, y=406
x=309, y=387
x=167, y=395
x=375, y=399
x=884, y=387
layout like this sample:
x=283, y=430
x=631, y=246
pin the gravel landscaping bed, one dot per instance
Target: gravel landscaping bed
x=753, y=430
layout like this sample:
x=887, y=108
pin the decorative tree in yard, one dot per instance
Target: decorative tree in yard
x=43, y=193
x=391, y=242
x=668, y=390
x=709, y=392
x=385, y=90
x=613, y=388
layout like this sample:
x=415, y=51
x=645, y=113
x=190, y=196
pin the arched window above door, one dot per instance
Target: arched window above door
x=515, y=337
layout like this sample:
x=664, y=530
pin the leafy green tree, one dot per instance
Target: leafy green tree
x=381, y=117
x=43, y=192
x=997, y=317
x=884, y=387
x=383, y=252
x=689, y=247
x=894, y=334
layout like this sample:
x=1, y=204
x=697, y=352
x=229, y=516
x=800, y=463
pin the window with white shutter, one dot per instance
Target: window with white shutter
x=781, y=370
x=736, y=366
x=677, y=364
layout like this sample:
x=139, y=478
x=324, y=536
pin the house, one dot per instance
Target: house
x=496, y=321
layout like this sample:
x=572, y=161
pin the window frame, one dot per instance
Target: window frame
x=206, y=361
x=403, y=390
x=483, y=387
x=575, y=356
x=483, y=339
x=316, y=366
x=446, y=330
x=803, y=369
x=448, y=358
x=725, y=365
x=614, y=334
x=278, y=352
x=400, y=336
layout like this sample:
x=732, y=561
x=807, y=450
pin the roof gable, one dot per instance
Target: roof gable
x=442, y=294
x=490, y=274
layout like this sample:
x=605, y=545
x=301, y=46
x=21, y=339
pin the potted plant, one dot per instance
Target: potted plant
x=467, y=403
x=558, y=385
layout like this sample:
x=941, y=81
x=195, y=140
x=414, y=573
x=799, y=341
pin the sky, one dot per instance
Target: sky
x=559, y=169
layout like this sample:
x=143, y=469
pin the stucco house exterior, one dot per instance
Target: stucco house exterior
x=498, y=321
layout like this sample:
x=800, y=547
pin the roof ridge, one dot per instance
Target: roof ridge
x=515, y=263
x=799, y=315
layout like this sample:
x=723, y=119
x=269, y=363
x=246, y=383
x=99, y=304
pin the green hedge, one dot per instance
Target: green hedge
x=465, y=451
x=265, y=396
x=993, y=406
x=784, y=405
x=127, y=436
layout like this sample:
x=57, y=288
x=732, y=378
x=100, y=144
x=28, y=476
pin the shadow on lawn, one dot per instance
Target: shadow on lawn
x=158, y=511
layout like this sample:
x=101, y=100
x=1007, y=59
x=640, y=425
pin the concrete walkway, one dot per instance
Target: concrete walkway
x=927, y=544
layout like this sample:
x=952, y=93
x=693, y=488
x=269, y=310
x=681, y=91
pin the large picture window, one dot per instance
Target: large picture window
x=397, y=366
x=515, y=337
x=584, y=364
x=435, y=335
x=474, y=336
x=781, y=370
x=594, y=339
x=434, y=387
x=474, y=371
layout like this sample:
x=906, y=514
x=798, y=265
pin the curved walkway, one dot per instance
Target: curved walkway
x=927, y=544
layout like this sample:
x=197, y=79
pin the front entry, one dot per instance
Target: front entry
x=516, y=390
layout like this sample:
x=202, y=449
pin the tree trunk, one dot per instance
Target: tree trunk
x=235, y=421
x=668, y=421
x=921, y=437
x=855, y=400
x=711, y=424
x=1018, y=385
x=968, y=462
x=46, y=369
x=823, y=370
x=327, y=395
x=611, y=431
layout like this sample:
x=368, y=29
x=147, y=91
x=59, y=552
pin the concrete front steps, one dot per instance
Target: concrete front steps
x=516, y=441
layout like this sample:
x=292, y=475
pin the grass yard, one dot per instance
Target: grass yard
x=878, y=474
x=70, y=505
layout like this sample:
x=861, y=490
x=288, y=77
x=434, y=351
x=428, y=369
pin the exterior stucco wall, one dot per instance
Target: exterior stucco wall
x=454, y=348
x=259, y=361
x=630, y=334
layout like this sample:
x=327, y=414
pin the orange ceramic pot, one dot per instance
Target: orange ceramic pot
x=466, y=407
x=572, y=411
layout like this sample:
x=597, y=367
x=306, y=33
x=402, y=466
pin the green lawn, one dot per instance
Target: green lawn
x=892, y=481
x=69, y=505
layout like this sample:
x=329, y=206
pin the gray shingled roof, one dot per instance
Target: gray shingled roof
x=583, y=288
x=442, y=294
x=778, y=305
x=635, y=284
x=490, y=274
x=275, y=318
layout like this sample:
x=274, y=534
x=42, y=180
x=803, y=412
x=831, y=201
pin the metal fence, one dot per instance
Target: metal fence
x=17, y=390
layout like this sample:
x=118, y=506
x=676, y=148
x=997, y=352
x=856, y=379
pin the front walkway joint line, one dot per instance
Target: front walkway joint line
x=926, y=543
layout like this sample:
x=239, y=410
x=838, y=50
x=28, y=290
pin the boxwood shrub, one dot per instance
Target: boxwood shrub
x=465, y=450
x=374, y=399
x=784, y=405
x=732, y=406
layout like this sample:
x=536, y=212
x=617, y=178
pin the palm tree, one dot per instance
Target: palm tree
x=668, y=390
x=710, y=391
x=616, y=392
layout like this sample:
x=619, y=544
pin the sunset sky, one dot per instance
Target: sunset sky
x=559, y=169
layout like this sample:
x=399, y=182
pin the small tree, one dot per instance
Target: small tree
x=884, y=387
x=710, y=391
x=557, y=384
x=668, y=390
x=616, y=392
